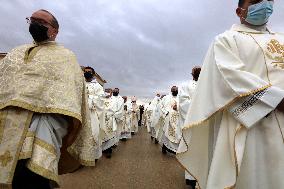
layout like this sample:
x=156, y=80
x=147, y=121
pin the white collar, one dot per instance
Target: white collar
x=246, y=29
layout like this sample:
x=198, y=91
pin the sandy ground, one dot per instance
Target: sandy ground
x=137, y=163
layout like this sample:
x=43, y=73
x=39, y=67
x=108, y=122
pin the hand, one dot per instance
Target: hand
x=280, y=106
x=175, y=107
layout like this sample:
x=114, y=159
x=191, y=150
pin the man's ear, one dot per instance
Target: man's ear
x=239, y=12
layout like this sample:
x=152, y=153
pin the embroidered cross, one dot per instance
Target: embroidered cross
x=5, y=159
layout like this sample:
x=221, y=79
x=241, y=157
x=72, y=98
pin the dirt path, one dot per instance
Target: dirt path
x=136, y=164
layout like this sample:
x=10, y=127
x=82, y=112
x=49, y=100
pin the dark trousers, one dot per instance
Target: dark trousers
x=26, y=179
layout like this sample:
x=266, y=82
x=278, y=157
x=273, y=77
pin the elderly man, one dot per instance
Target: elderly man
x=96, y=105
x=43, y=110
x=234, y=128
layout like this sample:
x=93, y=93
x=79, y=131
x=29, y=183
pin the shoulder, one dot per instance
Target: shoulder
x=63, y=50
x=226, y=37
x=21, y=48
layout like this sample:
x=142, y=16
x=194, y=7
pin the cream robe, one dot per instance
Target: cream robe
x=186, y=91
x=113, y=121
x=147, y=118
x=96, y=105
x=159, y=121
x=42, y=101
x=171, y=128
x=126, y=126
x=233, y=136
x=152, y=111
x=134, y=118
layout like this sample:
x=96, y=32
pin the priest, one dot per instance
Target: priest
x=95, y=94
x=233, y=136
x=44, y=117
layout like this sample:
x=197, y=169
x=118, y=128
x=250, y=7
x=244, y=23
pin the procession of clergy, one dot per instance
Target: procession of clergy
x=225, y=126
x=113, y=118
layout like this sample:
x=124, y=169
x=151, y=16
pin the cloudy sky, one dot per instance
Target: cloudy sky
x=140, y=46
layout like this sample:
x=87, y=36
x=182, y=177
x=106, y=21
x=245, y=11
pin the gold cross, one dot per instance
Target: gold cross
x=5, y=159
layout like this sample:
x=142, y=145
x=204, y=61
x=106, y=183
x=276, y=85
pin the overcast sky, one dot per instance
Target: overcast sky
x=140, y=46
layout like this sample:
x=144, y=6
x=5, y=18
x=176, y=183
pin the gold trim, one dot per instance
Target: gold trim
x=38, y=109
x=26, y=127
x=265, y=60
x=29, y=140
x=235, y=158
x=42, y=171
x=48, y=147
x=25, y=155
x=3, y=116
x=228, y=104
x=80, y=160
x=30, y=134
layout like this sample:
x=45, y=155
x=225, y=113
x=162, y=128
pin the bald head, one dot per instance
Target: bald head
x=44, y=19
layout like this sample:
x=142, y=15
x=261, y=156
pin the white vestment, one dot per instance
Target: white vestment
x=159, y=121
x=113, y=121
x=126, y=126
x=151, y=112
x=171, y=128
x=234, y=135
x=186, y=91
x=96, y=105
x=147, y=117
x=134, y=118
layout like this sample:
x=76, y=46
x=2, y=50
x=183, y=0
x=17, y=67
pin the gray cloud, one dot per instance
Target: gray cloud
x=140, y=46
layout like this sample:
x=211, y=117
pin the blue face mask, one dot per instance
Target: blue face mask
x=258, y=14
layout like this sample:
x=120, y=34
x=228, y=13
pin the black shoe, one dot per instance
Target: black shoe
x=191, y=183
x=114, y=146
x=164, y=149
x=156, y=141
x=152, y=138
x=108, y=155
x=123, y=139
x=132, y=133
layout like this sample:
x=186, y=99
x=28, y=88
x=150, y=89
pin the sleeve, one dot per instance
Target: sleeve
x=251, y=109
x=224, y=78
x=164, y=108
x=119, y=113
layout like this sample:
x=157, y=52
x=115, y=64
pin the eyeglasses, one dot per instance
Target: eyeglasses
x=38, y=20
